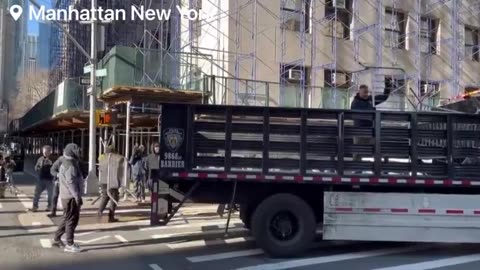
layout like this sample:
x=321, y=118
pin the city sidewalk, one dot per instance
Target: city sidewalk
x=129, y=213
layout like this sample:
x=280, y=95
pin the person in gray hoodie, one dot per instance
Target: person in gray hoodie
x=70, y=180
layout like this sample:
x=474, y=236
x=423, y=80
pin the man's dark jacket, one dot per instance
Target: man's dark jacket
x=361, y=104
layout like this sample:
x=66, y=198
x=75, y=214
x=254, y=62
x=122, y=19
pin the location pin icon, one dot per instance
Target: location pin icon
x=16, y=11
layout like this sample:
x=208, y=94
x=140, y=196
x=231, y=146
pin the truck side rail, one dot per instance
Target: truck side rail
x=318, y=142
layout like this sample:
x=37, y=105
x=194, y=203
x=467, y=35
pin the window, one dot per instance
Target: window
x=338, y=79
x=394, y=29
x=339, y=26
x=395, y=85
x=431, y=92
x=295, y=79
x=296, y=15
x=428, y=88
x=428, y=35
x=471, y=43
x=335, y=94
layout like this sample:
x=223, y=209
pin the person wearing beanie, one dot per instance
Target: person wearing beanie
x=70, y=180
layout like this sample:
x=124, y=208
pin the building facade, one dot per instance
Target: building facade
x=12, y=35
x=316, y=52
x=43, y=44
x=31, y=55
x=66, y=61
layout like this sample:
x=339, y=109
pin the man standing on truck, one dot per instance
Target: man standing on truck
x=363, y=101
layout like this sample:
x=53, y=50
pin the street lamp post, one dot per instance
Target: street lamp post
x=92, y=136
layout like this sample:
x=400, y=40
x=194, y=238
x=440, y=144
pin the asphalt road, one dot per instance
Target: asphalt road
x=194, y=240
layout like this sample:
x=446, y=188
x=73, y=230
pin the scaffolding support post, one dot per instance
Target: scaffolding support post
x=127, y=144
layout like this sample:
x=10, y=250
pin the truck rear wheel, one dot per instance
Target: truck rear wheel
x=284, y=225
x=246, y=215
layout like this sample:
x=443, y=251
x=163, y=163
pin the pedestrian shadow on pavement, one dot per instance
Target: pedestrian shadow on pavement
x=120, y=228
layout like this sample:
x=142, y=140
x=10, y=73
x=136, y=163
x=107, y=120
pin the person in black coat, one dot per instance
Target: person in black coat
x=363, y=101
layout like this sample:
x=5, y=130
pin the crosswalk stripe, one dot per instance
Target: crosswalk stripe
x=121, y=238
x=192, y=225
x=155, y=267
x=92, y=240
x=27, y=202
x=119, y=211
x=46, y=243
x=1, y=206
x=196, y=232
x=226, y=255
x=332, y=258
x=216, y=242
x=436, y=263
x=86, y=233
x=251, y=252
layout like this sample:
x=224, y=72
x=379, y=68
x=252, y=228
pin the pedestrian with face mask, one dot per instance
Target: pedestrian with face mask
x=71, y=184
x=45, y=178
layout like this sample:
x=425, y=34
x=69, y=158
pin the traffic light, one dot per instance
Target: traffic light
x=106, y=118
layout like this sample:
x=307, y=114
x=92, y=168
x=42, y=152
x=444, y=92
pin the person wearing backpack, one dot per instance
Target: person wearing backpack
x=45, y=178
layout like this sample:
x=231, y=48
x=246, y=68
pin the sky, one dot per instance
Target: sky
x=32, y=25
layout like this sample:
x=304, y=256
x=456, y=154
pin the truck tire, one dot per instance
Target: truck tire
x=283, y=225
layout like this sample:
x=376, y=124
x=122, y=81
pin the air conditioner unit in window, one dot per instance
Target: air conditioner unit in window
x=338, y=78
x=292, y=25
x=295, y=74
x=340, y=4
x=196, y=73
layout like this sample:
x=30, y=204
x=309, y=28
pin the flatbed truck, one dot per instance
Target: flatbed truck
x=295, y=170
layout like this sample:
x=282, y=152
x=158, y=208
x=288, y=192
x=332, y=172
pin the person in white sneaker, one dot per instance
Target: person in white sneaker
x=70, y=180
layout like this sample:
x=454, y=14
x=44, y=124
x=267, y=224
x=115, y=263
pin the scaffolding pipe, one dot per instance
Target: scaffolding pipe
x=127, y=145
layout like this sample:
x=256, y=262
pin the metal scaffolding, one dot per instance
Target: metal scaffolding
x=323, y=50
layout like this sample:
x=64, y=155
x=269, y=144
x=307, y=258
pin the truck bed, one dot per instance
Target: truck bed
x=321, y=143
